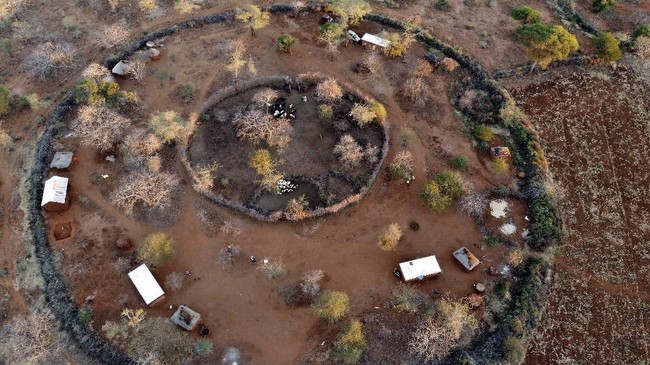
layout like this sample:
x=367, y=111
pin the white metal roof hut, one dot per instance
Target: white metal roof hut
x=420, y=268
x=146, y=285
x=55, y=194
x=466, y=258
x=372, y=41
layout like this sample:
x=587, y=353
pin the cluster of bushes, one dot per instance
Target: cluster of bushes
x=441, y=191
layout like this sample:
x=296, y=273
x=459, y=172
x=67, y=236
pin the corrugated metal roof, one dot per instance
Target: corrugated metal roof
x=378, y=41
x=420, y=268
x=146, y=284
x=55, y=190
x=466, y=258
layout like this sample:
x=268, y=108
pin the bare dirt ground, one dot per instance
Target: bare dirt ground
x=597, y=144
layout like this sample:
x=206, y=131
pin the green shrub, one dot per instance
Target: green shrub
x=607, y=46
x=442, y=4
x=331, y=305
x=350, y=343
x=449, y=184
x=325, y=112
x=544, y=227
x=261, y=161
x=5, y=101
x=188, y=92
x=500, y=165
x=491, y=241
x=284, y=43
x=526, y=14
x=547, y=43
x=380, y=112
x=600, y=5
x=408, y=298
x=156, y=248
x=433, y=197
x=459, y=163
x=99, y=93
x=483, y=133
x=85, y=315
x=513, y=350
x=642, y=31
x=7, y=46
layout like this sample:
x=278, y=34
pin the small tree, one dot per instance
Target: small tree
x=153, y=189
x=331, y=305
x=362, y=114
x=261, y=161
x=325, y=112
x=607, y=46
x=49, y=58
x=433, y=197
x=350, y=11
x=252, y=16
x=402, y=167
x=309, y=284
x=379, y=110
x=450, y=184
x=372, y=61
x=526, y=14
x=483, y=133
x=416, y=90
x=168, y=126
x=459, y=163
x=264, y=97
x=600, y=5
x=350, y=343
x=391, y=236
x=500, y=165
x=237, y=62
x=99, y=127
x=329, y=91
x=285, y=42
x=103, y=92
x=257, y=126
x=349, y=151
x=547, y=43
x=399, y=43
x=156, y=249
x=332, y=35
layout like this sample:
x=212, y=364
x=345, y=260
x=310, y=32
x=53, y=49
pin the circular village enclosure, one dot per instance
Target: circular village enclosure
x=165, y=184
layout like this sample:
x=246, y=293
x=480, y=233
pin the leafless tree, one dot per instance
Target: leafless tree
x=99, y=126
x=112, y=36
x=309, y=284
x=95, y=72
x=431, y=341
x=232, y=228
x=272, y=269
x=137, y=69
x=264, y=97
x=227, y=255
x=402, y=166
x=174, y=281
x=51, y=57
x=349, y=151
x=372, y=61
x=256, y=126
x=371, y=153
x=237, y=61
x=153, y=189
x=329, y=91
x=416, y=90
x=29, y=340
x=474, y=205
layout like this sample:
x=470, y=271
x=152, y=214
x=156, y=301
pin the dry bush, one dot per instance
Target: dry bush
x=257, y=126
x=137, y=69
x=154, y=163
x=456, y=316
x=349, y=151
x=5, y=139
x=431, y=341
x=123, y=264
x=99, y=126
x=237, y=61
x=391, y=236
x=474, y=205
x=95, y=72
x=473, y=300
x=264, y=97
x=362, y=114
x=140, y=142
x=29, y=340
x=500, y=165
x=408, y=298
x=309, y=284
x=112, y=36
x=133, y=317
x=514, y=257
x=416, y=90
x=156, y=248
x=449, y=64
x=402, y=166
x=296, y=207
x=331, y=305
x=329, y=91
x=642, y=47
x=422, y=69
x=227, y=255
x=371, y=153
x=174, y=281
x=372, y=61
x=157, y=335
x=9, y=8
x=272, y=269
x=153, y=189
x=50, y=57
x=148, y=5
x=252, y=16
x=168, y=125
x=204, y=176
x=187, y=6
x=232, y=228
x=115, y=331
